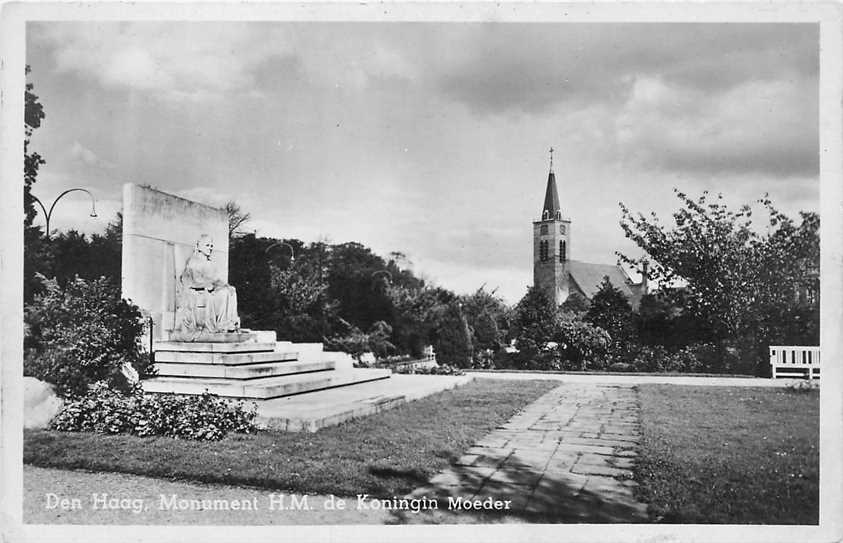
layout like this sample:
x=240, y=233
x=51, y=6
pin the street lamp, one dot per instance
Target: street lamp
x=284, y=244
x=47, y=214
x=387, y=272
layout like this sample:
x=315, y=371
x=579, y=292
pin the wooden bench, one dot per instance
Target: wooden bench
x=792, y=361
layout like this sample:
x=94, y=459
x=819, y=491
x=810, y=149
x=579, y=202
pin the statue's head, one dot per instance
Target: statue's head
x=205, y=245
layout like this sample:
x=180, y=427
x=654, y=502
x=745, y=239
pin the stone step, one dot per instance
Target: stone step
x=240, y=371
x=229, y=359
x=209, y=347
x=264, y=388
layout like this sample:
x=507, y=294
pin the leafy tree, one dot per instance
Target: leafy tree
x=487, y=317
x=453, y=344
x=33, y=114
x=379, y=342
x=487, y=335
x=663, y=320
x=740, y=282
x=417, y=313
x=356, y=343
x=107, y=250
x=36, y=257
x=576, y=304
x=249, y=273
x=533, y=326
x=610, y=310
x=352, y=281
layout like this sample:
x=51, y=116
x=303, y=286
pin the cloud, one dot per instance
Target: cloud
x=174, y=60
x=497, y=70
x=766, y=127
x=205, y=61
x=82, y=154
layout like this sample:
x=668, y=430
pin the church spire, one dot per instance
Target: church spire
x=551, y=209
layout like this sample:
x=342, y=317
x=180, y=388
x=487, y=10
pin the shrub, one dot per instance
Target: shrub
x=107, y=411
x=803, y=386
x=81, y=334
x=442, y=369
x=649, y=359
x=579, y=345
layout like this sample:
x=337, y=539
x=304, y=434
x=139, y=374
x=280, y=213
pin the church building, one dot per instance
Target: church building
x=555, y=271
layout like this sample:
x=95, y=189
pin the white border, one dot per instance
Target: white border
x=12, y=61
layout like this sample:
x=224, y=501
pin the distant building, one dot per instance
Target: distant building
x=553, y=269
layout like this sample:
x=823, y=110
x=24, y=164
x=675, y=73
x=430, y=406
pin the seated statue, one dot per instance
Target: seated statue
x=204, y=302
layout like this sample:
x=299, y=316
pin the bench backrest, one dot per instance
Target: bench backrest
x=781, y=355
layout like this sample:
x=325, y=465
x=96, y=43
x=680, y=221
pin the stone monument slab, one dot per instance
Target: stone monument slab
x=160, y=231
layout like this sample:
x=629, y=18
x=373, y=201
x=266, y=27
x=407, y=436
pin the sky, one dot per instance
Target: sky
x=428, y=138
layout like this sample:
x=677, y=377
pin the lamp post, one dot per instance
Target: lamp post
x=49, y=213
x=283, y=244
x=387, y=272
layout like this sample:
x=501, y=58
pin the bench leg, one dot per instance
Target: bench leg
x=774, y=371
x=810, y=373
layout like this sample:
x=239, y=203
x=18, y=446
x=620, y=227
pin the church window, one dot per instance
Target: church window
x=543, y=250
x=543, y=229
x=562, y=256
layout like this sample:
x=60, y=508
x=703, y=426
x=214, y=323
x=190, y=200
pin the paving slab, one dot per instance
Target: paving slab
x=567, y=457
x=319, y=409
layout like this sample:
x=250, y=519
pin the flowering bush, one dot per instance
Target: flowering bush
x=442, y=369
x=81, y=334
x=107, y=411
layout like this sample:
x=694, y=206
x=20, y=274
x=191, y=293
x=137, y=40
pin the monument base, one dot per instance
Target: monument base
x=209, y=337
x=250, y=369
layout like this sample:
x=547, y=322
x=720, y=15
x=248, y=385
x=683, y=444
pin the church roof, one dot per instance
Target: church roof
x=588, y=278
x=551, y=197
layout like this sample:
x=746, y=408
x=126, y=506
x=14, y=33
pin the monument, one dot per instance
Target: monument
x=206, y=306
x=175, y=268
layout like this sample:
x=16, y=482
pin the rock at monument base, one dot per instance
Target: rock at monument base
x=40, y=403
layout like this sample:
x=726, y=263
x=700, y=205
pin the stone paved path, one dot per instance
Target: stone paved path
x=567, y=457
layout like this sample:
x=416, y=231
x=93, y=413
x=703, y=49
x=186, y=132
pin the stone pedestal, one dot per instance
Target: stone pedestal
x=249, y=369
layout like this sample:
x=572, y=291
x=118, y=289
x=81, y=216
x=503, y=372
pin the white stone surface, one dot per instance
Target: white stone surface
x=159, y=233
x=340, y=360
x=40, y=403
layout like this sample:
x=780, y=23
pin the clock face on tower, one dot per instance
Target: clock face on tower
x=561, y=228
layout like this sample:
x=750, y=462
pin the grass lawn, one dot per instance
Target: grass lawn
x=385, y=454
x=729, y=455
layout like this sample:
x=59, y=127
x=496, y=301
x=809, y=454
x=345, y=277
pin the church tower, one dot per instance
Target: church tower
x=552, y=244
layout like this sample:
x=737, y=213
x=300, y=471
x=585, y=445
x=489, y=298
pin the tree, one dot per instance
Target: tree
x=33, y=114
x=738, y=281
x=487, y=335
x=453, y=345
x=417, y=313
x=236, y=218
x=487, y=317
x=36, y=257
x=533, y=326
x=610, y=310
x=575, y=304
